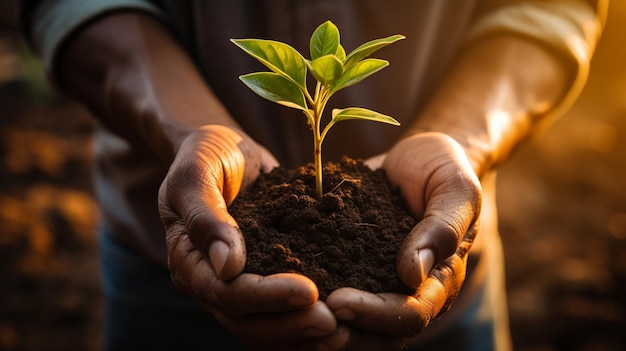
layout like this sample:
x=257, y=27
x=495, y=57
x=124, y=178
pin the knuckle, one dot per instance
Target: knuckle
x=451, y=275
x=416, y=317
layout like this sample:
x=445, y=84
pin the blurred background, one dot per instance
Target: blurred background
x=562, y=213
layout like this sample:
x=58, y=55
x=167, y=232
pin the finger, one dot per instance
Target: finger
x=390, y=314
x=205, y=177
x=216, y=234
x=190, y=271
x=440, y=290
x=429, y=242
x=213, y=233
x=201, y=208
x=264, y=310
x=251, y=293
x=338, y=340
x=278, y=328
x=451, y=273
x=268, y=161
x=443, y=191
x=359, y=340
x=397, y=315
x=452, y=207
x=246, y=294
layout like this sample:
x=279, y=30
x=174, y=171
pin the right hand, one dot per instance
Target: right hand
x=439, y=186
x=207, y=252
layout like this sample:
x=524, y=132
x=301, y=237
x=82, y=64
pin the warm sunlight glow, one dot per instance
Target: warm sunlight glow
x=602, y=137
x=498, y=121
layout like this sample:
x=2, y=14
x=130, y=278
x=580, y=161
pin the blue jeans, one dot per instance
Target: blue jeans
x=144, y=311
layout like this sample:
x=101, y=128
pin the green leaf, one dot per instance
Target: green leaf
x=276, y=88
x=324, y=40
x=279, y=57
x=341, y=53
x=357, y=73
x=363, y=114
x=326, y=69
x=369, y=48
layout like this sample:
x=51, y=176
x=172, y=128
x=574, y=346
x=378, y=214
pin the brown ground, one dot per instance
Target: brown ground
x=562, y=200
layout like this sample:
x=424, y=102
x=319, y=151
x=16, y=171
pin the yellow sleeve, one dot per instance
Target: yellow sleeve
x=570, y=28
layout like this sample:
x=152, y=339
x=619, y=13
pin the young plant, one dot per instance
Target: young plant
x=332, y=69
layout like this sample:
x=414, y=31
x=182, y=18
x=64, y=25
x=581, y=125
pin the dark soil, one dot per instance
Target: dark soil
x=348, y=238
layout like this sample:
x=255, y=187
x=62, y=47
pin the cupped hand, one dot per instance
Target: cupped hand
x=441, y=189
x=206, y=250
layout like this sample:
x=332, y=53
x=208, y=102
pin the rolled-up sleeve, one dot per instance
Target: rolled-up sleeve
x=51, y=22
x=569, y=28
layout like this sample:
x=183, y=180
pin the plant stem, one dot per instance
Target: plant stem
x=322, y=94
x=318, y=169
x=318, y=108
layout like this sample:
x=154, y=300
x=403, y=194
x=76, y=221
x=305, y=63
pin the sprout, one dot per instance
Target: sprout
x=332, y=69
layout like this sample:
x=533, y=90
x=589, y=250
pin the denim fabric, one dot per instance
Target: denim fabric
x=144, y=311
x=475, y=331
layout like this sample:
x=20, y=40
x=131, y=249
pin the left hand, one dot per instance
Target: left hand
x=442, y=189
x=207, y=253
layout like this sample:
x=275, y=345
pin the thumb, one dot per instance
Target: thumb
x=450, y=212
x=441, y=187
x=207, y=172
x=216, y=234
x=204, y=218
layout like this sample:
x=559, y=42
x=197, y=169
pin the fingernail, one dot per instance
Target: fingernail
x=345, y=314
x=298, y=301
x=218, y=254
x=427, y=260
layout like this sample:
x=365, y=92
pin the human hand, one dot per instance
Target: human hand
x=206, y=251
x=442, y=189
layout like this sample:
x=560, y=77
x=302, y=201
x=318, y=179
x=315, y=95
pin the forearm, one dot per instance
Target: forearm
x=135, y=78
x=498, y=91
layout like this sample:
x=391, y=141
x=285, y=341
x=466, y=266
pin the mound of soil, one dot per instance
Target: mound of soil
x=348, y=238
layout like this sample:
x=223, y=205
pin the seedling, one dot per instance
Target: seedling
x=332, y=69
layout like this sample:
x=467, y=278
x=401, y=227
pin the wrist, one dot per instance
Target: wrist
x=494, y=96
x=482, y=150
x=140, y=83
x=478, y=154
